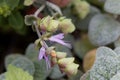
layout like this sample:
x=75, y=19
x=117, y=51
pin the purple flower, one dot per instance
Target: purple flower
x=42, y=55
x=58, y=38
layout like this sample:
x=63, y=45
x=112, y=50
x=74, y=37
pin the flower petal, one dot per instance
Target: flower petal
x=58, y=36
x=47, y=61
x=60, y=42
x=41, y=53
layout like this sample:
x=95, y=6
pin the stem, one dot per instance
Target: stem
x=39, y=10
x=53, y=6
x=36, y=26
x=39, y=35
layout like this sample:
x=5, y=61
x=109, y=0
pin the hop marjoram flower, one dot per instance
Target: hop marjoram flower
x=81, y=8
x=68, y=66
x=48, y=24
x=66, y=25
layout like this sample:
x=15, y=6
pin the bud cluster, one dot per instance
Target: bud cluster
x=52, y=25
x=46, y=29
x=65, y=64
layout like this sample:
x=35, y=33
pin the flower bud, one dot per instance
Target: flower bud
x=61, y=55
x=81, y=8
x=48, y=24
x=71, y=69
x=28, y=2
x=65, y=61
x=66, y=26
x=44, y=23
x=53, y=25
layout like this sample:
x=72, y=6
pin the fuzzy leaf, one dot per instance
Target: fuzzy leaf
x=77, y=76
x=41, y=72
x=10, y=58
x=107, y=64
x=112, y=6
x=56, y=73
x=31, y=52
x=16, y=21
x=25, y=64
x=15, y=73
x=29, y=19
x=12, y=3
x=103, y=30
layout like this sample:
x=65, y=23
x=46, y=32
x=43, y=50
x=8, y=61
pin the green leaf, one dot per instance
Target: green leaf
x=10, y=58
x=56, y=73
x=112, y=6
x=16, y=21
x=107, y=64
x=15, y=73
x=29, y=19
x=25, y=64
x=103, y=30
x=77, y=76
x=12, y=3
x=31, y=52
x=41, y=71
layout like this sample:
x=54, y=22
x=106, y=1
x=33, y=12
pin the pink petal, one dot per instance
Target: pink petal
x=41, y=53
x=60, y=42
x=47, y=61
x=58, y=36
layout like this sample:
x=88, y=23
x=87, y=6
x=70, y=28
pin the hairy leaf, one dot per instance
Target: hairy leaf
x=15, y=73
x=103, y=30
x=112, y=6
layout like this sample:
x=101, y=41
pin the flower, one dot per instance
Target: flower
x=71, y=69
x=58, y=38
x=81, y=8
x=42, y=54
x=65, y=61
x=66, y=25
x=48, y=24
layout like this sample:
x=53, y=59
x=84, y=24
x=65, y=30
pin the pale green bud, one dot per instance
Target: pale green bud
x=82, y=8
x=45, y=22
x=53, y=25
x=61, y=55
x=65, y=61
x=28, y=2
x=66, y=26
x=71, y=69
x=48, y=24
